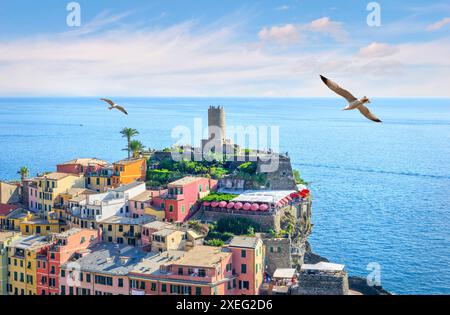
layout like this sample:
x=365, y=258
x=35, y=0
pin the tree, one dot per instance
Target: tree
x=24, y=172
x=129, y=133
x=136, y=147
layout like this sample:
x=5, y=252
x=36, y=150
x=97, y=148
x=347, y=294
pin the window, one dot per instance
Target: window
x=163, y=206
x=243, y=253
x=243, y=268
x=202, y=273
x=120, y=228
x=171, y=208
x=180, y=271
x=200, y=188
x=63, y=290
x=63, y=273
x=88, y=278
x=163, y=287
x=182, y=209
x=153, y=286
x=81, y=276
x=83, y=239
x=198, y=291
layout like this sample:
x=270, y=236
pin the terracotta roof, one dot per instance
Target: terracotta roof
x=130, y=161
x=85, y=161
x=202, y=256
x=184, y=181
x=6, y=209
x=56, y=175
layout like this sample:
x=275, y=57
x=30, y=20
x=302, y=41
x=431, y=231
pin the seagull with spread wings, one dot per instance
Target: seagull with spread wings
x=114, y=105
x=353, y=102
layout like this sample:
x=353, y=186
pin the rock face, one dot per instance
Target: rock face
x=360, y=284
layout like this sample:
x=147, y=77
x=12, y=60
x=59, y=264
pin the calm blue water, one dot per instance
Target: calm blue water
x=381, y=192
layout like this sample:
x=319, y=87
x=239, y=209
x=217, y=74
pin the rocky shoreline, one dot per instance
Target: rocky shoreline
x=355, y=283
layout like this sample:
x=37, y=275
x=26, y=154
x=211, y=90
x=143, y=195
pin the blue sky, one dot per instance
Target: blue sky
x=212, y=48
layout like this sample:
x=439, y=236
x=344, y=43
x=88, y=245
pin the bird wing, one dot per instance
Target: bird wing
x=366, y=112
x=121, y=109
x=108, y=101
x=338, y=90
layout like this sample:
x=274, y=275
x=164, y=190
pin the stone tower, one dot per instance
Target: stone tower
x=216, y=123
x=217, y=132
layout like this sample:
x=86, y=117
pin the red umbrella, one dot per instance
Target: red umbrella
x=238, y=205
x=254, y=207
x=230, y=205
x=289, y=198
x=214, y=204
x=222, y=204
x=294, y=195
x=247, y=206
x=264, y=207
x=206, y=203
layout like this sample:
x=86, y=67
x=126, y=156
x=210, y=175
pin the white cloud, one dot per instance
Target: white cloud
x=186, y=60
x=329, y=27
x=285, y=34
x=375, y=50
x=439, y=24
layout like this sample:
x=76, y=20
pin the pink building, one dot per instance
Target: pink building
x=32, y=197
x=101, y=270
x=140, y=202
x=65, y=246
x=204, y=270
x=182, y=195
x=248, y=264
x=81, y=166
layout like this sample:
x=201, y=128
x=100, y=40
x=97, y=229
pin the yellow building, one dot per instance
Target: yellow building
x=158, y=213
x=32, y=225
x=5, y=240
x=22, y=254
x=123, y=230
x=51, y=185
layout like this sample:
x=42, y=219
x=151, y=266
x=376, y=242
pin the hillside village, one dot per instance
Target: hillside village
x=149, y=225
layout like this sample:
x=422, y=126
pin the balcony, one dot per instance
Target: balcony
x=172, y=197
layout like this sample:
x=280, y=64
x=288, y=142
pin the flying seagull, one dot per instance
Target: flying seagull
x=353, y=102
x=114, y=105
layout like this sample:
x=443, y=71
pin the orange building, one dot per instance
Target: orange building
x=129, y=170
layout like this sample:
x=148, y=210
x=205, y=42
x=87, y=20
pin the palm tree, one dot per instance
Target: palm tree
x=136, y=147
x=24, y=172
x=129, y=133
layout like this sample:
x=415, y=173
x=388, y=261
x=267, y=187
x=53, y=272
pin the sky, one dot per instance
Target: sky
x=255, y=48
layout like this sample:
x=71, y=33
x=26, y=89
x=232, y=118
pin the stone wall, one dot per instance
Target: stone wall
x=322, y=284
x=278, y=254
x=266, y=221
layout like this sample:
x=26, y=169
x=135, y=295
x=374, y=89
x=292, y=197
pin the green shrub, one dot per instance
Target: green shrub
x=214, y=242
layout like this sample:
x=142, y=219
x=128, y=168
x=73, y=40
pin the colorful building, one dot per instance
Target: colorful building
x=5, y=240
x=51, y=185
x=100, y=180
x=182, y=195
x=10, y=192
x=64, y=247
x=81, y=166
x=98, y=207
x=5, y=211
x=204, y=270
x=22, y=257
x=248, y=263
x=129, y=170
x=123, y=230
x=140, y=202
x=33, y=196
x=36, y=225
x=103, y=270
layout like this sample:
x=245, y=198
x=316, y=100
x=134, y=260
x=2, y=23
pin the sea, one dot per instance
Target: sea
x=381, y=192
